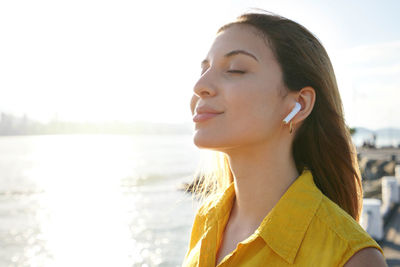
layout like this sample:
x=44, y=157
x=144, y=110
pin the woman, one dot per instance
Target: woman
x=287, y=192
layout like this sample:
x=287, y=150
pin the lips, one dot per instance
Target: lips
x=207, y=109
x=204, y=116
x=204, y=113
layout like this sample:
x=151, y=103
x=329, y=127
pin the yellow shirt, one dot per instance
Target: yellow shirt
x=305, y=228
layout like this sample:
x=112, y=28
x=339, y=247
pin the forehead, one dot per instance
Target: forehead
x=240, y=37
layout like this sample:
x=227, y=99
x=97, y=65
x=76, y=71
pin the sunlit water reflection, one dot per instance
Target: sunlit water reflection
x=95, y=200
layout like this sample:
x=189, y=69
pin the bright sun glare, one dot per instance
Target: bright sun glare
x=128, y=61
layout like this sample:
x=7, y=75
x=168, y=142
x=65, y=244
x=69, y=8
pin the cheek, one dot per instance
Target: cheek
x=251, y=103
x=254, y=111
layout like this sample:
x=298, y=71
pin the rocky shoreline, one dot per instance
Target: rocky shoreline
x=374, y=164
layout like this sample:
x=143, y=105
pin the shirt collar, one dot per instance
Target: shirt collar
x=284, y=227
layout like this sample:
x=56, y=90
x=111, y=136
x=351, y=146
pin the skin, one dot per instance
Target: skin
x=250, y=130
x=367, y=257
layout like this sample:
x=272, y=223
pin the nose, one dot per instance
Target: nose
x=205, y=85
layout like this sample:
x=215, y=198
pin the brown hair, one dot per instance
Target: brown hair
x=323, y=142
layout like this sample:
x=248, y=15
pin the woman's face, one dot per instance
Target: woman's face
x=241, y=78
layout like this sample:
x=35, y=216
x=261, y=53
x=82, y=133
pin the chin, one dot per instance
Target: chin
x=205, y=141
x=204, y=144
x=211, y=143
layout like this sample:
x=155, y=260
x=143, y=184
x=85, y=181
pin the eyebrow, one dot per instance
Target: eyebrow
x=234, y=53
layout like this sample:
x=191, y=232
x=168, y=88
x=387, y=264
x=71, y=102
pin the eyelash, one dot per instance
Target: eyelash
x=232, y=71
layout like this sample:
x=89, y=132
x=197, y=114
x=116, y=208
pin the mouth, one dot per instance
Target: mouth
x=200, y=117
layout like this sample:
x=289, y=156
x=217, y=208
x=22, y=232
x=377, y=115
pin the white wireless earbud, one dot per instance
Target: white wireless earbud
x=294, y=111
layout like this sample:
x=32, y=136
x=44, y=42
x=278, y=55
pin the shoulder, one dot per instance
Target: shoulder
x=199, y=223
x=334, y=228
x=366, y=257
x=208, y=204
x=205, y=209
x=340, y=222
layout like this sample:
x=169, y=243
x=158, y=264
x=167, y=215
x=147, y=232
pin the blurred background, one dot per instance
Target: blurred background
x=96, y=129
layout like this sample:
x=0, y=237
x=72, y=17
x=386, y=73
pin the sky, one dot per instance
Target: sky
x=139, y=60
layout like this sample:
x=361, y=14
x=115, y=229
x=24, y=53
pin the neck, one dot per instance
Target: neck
x=262, y=174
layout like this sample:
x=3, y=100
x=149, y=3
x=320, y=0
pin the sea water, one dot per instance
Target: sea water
x=95, y=200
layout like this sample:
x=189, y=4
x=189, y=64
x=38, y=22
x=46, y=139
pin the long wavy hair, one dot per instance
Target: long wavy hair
x=323, y=142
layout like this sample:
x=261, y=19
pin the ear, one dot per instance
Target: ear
x=306, y=97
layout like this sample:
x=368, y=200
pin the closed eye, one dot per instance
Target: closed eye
x=236, y=71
